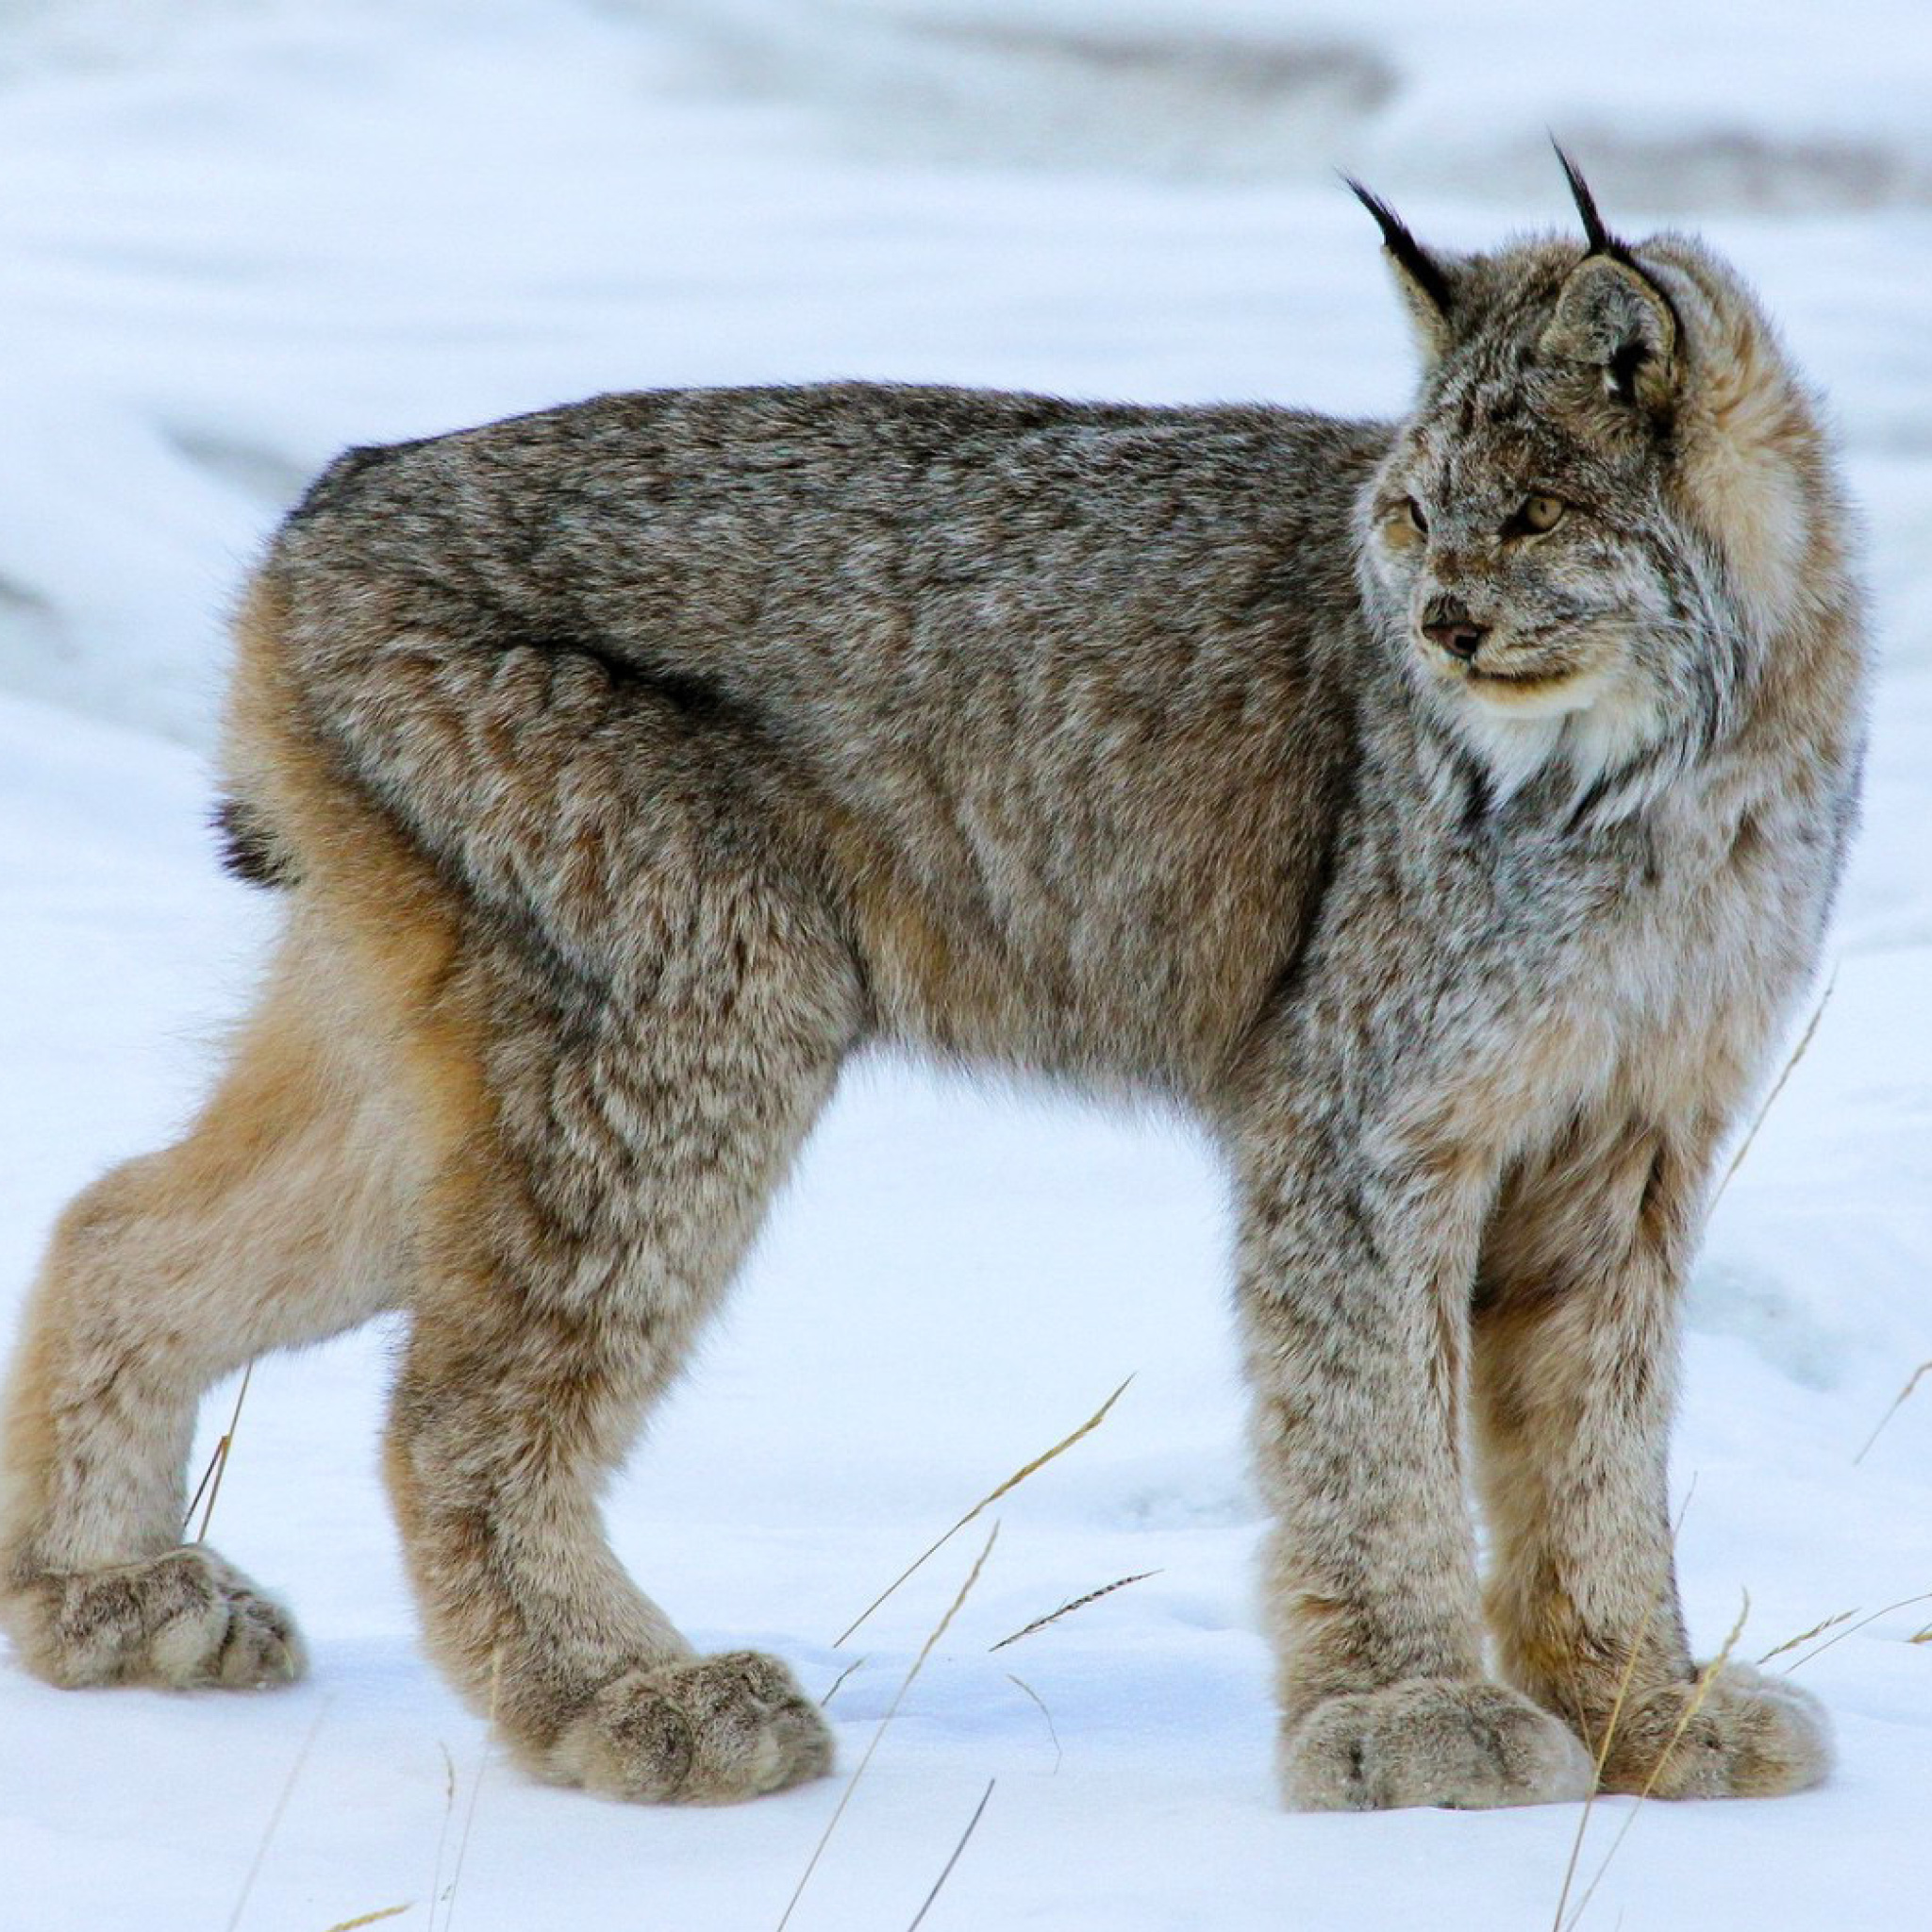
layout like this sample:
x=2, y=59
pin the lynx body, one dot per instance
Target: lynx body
x=1448, y=812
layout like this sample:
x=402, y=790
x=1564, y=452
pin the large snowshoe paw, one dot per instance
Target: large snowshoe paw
x=711, y=1730
x=185, y=1619
x=1431, y=1740
x=1750, y=1736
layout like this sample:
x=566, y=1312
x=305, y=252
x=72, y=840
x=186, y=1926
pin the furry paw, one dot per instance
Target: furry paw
x=709, y=1731
x=1431, y=1740
x=1752, y=1737
x=182, y=1619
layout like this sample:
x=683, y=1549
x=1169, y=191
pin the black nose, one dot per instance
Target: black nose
x=1455, y=630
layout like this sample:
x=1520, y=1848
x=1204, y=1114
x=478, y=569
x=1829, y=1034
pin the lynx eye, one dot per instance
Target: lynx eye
x=1404, y=524
x=1535, y=515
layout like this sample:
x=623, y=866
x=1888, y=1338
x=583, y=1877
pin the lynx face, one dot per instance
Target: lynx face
x=1521, y=570
x=1555, y=540
x=1533, y=607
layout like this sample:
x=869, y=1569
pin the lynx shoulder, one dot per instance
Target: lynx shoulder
x=1447, y=811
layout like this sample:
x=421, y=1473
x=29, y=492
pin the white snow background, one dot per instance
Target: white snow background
x=236, y=235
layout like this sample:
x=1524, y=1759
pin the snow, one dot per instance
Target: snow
x=235, y=238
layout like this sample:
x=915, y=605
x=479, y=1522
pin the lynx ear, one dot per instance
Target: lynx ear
x=1610, y=314
x=1423, y=282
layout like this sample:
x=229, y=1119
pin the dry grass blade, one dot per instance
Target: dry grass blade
x=1705, y=1679
x=274, y=1818
x=1615, y=1718
x=1818, y=1629
x=201, y=1487
x=1903, y=1604
x=1093, y=1596
x=217, y=1464
x=372, y=1918
x=456, y=1877
x=449, y=1806
x=940, y=1629
x=1779, y=1087
x=971, y=1825
x=986, y=1502
x=1020, y=1683
x=1683, y=1510
x=838, y=1680
x=1603, y=1749
x=1899, y=1401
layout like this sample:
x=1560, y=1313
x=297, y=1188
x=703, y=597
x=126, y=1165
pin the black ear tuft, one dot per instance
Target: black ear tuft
x=1411, y=255
x=1601, y=240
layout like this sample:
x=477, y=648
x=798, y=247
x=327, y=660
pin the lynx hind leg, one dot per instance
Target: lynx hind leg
x=273, y=1221
x=621, y=1143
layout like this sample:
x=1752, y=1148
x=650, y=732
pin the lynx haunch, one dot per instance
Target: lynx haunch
x=1447, y=811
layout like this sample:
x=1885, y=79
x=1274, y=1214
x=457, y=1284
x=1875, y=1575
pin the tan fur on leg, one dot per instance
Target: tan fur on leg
x=1576, y=1333
x=277, y=1219
x=603, y=1139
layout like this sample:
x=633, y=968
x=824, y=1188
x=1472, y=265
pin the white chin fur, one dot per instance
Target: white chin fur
x=1587, y=726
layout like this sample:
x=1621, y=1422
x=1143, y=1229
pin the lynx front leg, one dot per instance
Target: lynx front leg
x=1353, y=1288
x=582, y=1233
x=1574, y=1353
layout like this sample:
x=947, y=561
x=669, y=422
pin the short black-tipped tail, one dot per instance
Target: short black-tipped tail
x=248, y=850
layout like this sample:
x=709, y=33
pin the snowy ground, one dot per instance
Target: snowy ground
x=234, y=238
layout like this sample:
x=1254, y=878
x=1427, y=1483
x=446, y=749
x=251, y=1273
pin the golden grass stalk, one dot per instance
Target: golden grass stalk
x=217, y=1464
x=891, y=1711
x=372, y=1918
x=840, y=1680
x=1020, y=1683
x=449, y=1806
x=1603, y=1752
x=1079, y=1603
x=1798, y=1052
x=1903, y=1604
x=971, y=1825
x=1818, y=1629
x=456, y=1877
x=1898, y=1401
x=1705, y=1679
x=275, y=1817
x=992, y=1496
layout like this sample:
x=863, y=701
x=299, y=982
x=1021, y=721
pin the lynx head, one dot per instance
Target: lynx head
x=1602, y=511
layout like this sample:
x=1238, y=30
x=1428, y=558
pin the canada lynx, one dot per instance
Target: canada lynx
x=1448, y=811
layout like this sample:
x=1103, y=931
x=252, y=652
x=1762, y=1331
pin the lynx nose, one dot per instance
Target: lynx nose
x=1452, y=627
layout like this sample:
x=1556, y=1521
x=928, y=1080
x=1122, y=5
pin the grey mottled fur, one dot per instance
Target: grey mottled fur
x=1447, y=811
